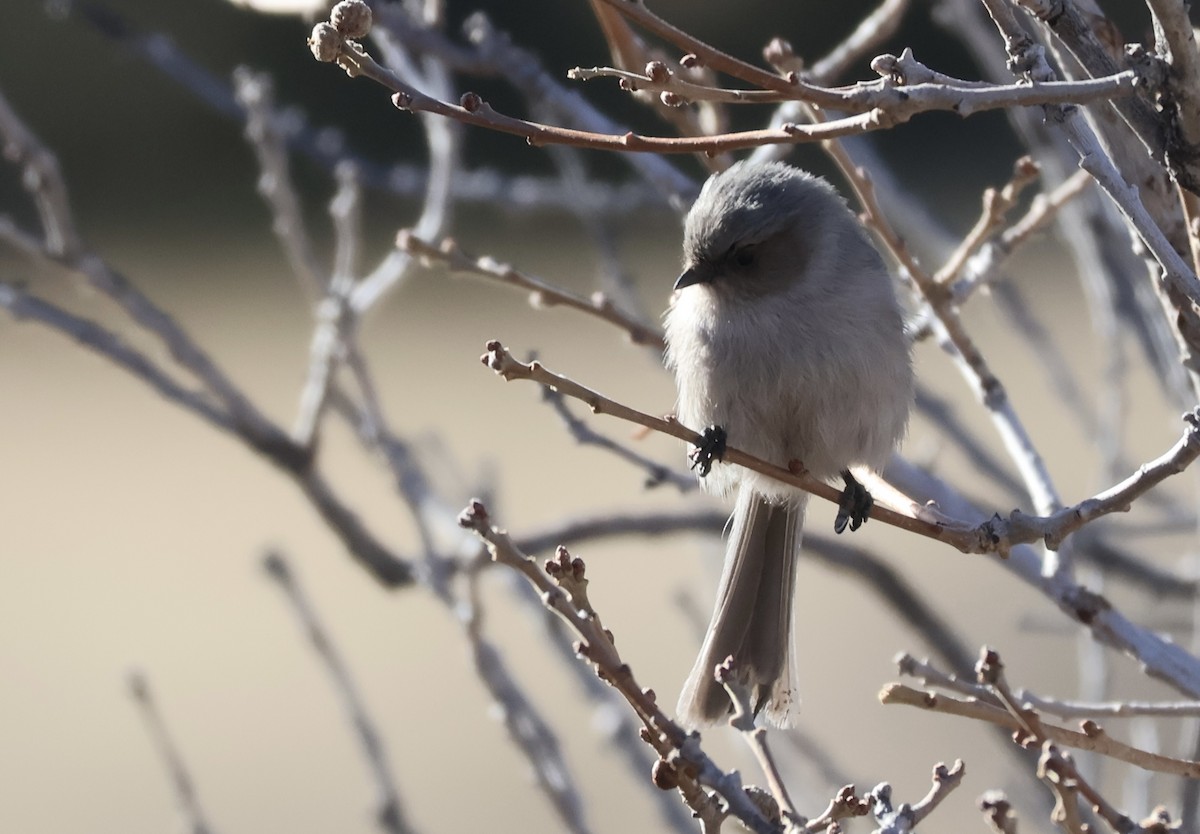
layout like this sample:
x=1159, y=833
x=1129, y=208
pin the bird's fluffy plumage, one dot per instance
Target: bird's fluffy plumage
x=791, y=339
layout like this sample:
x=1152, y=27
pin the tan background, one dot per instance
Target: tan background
x=132, y=534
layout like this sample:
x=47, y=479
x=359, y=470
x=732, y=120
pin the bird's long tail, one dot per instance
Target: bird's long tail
x=752, y=619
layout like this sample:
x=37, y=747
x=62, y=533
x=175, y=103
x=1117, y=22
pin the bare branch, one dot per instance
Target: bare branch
x=541, y=293
x=255, y=93
x=742, y=720
x=979, y=269
x=901, y=98
x=390, y=812
x=903, y=105
x=1181, y=285
x=22, y=305
x=1055, y=767
x=995, y=535
x=656, y=473
x=683, y=764
x=996, y=206
x=871, y=31
x=895, y=693
x=844, y=805
x=181, y=779
x=932, y=676
x=41, y=177
x=905, y=818
x=998, y=812
x=527, y=728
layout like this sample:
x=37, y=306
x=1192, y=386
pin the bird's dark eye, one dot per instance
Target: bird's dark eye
x=743, y=255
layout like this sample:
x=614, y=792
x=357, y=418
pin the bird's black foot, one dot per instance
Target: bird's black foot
x=711, y=448
x=854, y=507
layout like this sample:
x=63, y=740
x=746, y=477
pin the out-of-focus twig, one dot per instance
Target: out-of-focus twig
x=527, y=728
x=871, y=31
x=390, y=812
x=656, y=473
x=542, y=293
x=255, y=93
x=181, y=779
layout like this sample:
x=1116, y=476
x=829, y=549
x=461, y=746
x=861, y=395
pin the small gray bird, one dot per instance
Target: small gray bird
x=785, y=336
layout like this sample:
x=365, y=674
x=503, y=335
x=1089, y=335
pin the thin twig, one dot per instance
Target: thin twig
x=906, y=817
x=255, y=93
x=742, y=720
x=896, y=107
x=883, y=22
x=1055, y=766
x=390, y=811
x=564, y=589
x=181, y=779
x=896, y=693
x=979, y=269
x=584, y=435
x=42, y=179
x=541, y=293
x=529, y=731
x=996, y=206
x=494, y=54
x=932, y=676
x=22, y=305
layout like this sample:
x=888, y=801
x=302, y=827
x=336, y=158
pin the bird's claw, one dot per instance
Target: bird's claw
x=854, y=507
x=711, y=448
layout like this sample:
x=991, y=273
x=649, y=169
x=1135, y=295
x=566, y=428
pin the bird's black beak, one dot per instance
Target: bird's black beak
x=693, y=275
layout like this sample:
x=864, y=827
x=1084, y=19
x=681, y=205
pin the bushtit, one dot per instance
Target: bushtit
x=784, y=335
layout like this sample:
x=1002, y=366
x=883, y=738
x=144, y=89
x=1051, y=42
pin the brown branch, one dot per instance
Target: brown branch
x=683, y=764
x=710, y=56
x=505, y=365
x=898, y=693
x=1054, y=766
x=328, y=45
x=930, y=675
x=996, y=535
x=900, y=97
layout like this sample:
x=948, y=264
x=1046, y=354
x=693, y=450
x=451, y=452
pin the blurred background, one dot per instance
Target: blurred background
x=132, y=535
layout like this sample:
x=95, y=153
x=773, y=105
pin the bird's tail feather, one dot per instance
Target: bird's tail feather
x=752, y=618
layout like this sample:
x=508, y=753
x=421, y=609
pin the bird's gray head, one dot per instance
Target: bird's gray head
x=756, y=225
